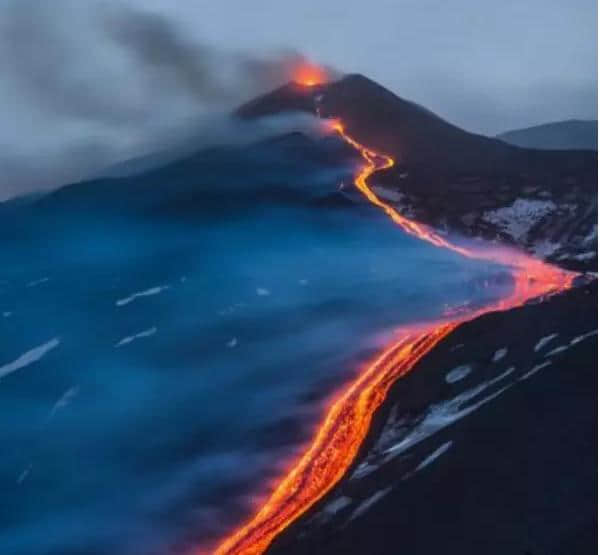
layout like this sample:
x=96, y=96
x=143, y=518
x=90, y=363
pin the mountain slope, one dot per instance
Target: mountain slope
x=567, y=135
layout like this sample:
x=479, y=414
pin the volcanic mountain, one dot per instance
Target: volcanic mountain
x=416, y=137
x=541, y=200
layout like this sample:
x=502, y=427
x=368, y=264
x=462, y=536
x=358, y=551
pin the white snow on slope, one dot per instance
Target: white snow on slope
x=443, y=414
x=518, y=218
x=433, y=456
x=557, y=351
x=544, y=341
x=146, y=293
x=337, y=505
x=459, y=373
x=535, y=370
x=38, y=281
x=139, y=335
x=500, y=354
x=368, y=503
x=591, y=236
x=590, y=255
x=64, y=400
x=387, y=194
x=23, y=476
x=29, y=357
x=580, y=338
x=363, y=470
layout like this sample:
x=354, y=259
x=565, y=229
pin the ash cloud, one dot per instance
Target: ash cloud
x=87, y=85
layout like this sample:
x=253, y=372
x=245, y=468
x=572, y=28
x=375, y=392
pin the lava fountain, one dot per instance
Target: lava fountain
x=309, y=75
x=338, y=437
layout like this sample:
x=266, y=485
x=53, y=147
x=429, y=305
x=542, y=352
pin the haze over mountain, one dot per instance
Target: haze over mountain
x=570, y=134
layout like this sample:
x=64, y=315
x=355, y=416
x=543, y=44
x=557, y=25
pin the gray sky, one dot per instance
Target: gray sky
x=85, y=84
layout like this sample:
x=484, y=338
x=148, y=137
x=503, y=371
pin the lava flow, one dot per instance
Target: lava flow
x=347, y=420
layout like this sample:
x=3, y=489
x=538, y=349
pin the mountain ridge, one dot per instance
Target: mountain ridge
x=570, y=134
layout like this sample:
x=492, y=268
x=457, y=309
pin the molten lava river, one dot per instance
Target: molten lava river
x=346, y=421
x=212, y=338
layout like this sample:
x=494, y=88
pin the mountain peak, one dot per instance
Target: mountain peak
x=417, y=138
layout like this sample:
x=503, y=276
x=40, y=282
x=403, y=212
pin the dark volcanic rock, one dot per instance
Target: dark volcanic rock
x=480, y=449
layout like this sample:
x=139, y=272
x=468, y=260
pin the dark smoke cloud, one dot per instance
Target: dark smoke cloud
x=99, y=82
x=166, y=58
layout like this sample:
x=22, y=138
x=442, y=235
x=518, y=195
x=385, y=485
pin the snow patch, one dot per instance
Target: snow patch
x=64, y=400
x=459, y=373
x=591, y=236
x=442, y=415
x=232, y=342
x=535, y=369
x=557, y=351
x=387, y=194
x=520, y=217
x=368, y=503
x=262, y=292
x=363, y=470
x=337, y=505
x=29, y=357
x=38, y=281
x=139, y=335
x=433, y=456
x=589, y=255
x=23, y=476
x=581, y=338
x=544, y=341
x=499, y=354
x=230, y=309
x=146, y=293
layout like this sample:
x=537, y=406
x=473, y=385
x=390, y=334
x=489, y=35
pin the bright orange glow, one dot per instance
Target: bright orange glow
x=309, y=75
x=347, y=420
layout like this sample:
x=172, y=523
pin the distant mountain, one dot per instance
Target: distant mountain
x=571, y=134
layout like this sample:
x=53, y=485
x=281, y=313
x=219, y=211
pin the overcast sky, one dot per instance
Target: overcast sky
x=85, y=83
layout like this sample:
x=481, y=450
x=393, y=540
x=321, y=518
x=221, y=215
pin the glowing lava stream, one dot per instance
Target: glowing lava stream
x=346, y=423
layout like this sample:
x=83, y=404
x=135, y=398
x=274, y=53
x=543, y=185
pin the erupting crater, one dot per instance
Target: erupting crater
x=309, y=75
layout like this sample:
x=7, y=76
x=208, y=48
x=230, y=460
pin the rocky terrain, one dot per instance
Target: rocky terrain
x=487, y=446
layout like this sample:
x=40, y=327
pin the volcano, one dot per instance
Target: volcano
x=539, y=200
x=343, y=498
x=415, y=136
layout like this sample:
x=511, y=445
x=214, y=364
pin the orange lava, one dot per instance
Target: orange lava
x=309, y=75
x=346, y=423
